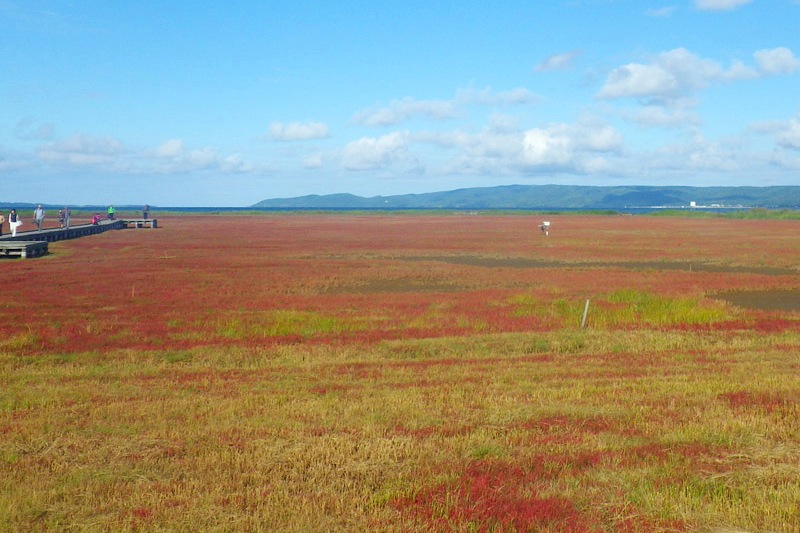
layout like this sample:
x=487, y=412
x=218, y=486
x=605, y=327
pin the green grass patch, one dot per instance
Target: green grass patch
x=621, y=308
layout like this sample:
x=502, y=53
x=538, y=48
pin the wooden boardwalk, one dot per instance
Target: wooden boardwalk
x=34, y=243
x=59, y=234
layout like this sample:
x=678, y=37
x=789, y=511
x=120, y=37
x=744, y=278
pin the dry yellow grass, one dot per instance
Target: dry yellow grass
x=317, y=439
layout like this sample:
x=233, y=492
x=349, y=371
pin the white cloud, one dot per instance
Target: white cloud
x=408, y=108
x=777, y=61
x=489, y=152
x=368, y=153
x=298, y=131
x=233, y=164
x=786, y=137
x=107, y=154
x=405, y=109
x=202, y=158
x=545, y=148
x=785, y=133
x=518, y=96
x=82, y=150
x=677, y=73
x=172, y=156
x=699, y=154
x=503, y=123
x=502, y=149
x=572, y=146
x=597, y=138
x=170, y=148
x=739, y=71
x=790, y=137
x=557, y=62
x=671, y=75
x=175, y=158
x=719, y=5
x=783, y=160
x=676, y=115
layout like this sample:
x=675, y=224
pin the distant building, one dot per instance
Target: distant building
x=692, y=204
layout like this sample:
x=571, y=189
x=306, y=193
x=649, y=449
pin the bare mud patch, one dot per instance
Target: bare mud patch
x=769, y=300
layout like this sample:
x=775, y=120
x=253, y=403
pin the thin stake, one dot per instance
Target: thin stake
x=585, y=312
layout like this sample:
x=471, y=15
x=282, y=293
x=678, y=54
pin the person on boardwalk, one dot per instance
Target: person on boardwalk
x=67, y=214
x=145, y=211
x=111, y=212
x=2, y=220
x=14, y=222
x=38, y=217
x=61, y=218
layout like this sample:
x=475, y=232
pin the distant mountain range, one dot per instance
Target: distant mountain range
x=555, y=197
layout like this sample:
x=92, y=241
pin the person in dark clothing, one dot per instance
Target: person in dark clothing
x=14, y=222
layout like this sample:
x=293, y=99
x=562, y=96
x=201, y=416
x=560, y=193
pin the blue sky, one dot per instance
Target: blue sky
x=183, y=103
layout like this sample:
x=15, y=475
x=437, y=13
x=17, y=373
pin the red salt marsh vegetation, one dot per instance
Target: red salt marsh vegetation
x=405, y=373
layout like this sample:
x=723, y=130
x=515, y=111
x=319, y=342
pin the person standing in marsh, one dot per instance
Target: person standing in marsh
x=67, y=214
x=13, y=222
x=38, y=217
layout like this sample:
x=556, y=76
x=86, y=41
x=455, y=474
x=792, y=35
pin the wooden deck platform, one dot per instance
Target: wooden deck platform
x=23, y=249
x=140, y=222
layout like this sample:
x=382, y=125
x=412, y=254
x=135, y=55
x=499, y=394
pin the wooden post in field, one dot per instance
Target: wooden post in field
x=585, y=312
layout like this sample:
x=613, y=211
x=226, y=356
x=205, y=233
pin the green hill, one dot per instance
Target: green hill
x=554, y=197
